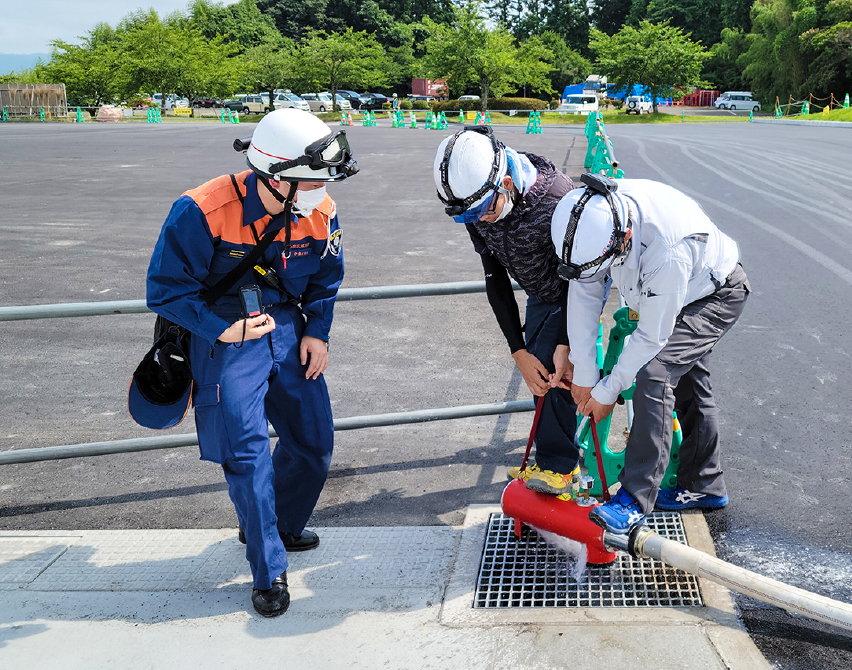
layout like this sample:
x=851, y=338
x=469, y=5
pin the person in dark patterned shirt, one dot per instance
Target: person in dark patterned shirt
x=506, y=199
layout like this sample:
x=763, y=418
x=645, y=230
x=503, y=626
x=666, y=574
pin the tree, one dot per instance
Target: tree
x=775, y=63
x=270, y=66
x=241, y=23
x=700, y=19
x=654, y=55
x=722, y=69
x=353, y=58
x=468, y=52
x=172, y=57
x=609, y=15
x=296, y=18
x=88, y=70
x=568, y=67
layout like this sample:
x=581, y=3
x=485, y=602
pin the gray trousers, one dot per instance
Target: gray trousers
x=679, y=376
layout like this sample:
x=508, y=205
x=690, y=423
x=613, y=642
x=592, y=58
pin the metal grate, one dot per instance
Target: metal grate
x=530, y=573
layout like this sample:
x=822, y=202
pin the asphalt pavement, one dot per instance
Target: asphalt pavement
x=82, y=208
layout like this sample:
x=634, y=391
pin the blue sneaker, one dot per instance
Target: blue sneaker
x=677, y=499
x=618, y=515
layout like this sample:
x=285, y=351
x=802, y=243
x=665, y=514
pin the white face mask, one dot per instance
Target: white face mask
x=307, y=201
x=508, y=204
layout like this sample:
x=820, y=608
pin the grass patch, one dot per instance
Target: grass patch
x=839, y=114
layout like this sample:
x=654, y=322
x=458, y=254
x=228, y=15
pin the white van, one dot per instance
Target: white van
x=737, y=100
x=579, y=104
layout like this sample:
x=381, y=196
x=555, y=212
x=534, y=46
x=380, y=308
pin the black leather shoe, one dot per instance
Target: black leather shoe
x=307, y=540
x=273, y=601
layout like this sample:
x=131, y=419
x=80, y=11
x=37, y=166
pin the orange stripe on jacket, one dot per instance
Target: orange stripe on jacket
x=223, y=211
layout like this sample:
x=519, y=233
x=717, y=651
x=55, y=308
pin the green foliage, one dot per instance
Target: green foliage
x=417, y=104
x=493, y=104
x=775, y=64
x=332, y=60
x=468, y=52
x=656, y=56
x=89, y=70
x=517, y=103
x=32, y=75
x=241, y=23
x=569, y=67
x=171, y=57
x=722, y=69
x=700, y=19
x=266, y=67
x=609, y=15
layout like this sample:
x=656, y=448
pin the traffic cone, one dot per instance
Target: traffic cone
x=41, y=113
x=413, y=120
x=461, y=116
x=80, y=118
x=846, y=102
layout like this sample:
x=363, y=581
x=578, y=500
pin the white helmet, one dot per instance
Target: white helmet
x=587, y=229
x=292, y=145
x=468, y=168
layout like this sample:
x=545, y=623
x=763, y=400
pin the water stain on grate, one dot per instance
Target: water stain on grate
x=530, y=573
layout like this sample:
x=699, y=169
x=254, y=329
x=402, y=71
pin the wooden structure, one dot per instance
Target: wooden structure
x=26, y=100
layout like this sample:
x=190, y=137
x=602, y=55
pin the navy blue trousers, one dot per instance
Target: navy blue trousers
x=237, y=390
x=555, y=448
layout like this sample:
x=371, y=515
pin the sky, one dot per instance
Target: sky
x=27, y=26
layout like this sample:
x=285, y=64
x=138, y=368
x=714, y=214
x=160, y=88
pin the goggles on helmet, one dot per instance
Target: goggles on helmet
x=476, y=213
x=595, y=185
x=331, y=153
x=459, y=207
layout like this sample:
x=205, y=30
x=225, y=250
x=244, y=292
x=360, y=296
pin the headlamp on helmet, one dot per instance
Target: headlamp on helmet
x=604, y=187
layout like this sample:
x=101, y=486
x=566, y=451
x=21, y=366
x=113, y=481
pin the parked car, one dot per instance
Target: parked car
x=318, y=102
x=421, y=98
x=469, y=97
x=373, y=100
x=285, y=100
x=206, y=102
x=353, y=97
x=579, y=104
x=638, y=104
x=737, y=100
x=342, y=102
x=248, y=104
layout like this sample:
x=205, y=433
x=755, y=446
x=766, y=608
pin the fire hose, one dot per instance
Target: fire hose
x=563, y=516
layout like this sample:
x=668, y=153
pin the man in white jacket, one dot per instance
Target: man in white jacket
x=681, y=273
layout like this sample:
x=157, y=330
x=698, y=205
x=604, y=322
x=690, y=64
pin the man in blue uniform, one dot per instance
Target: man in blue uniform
x=252, y=369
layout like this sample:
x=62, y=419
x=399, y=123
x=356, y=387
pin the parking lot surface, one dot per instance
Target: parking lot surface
x=83, y=205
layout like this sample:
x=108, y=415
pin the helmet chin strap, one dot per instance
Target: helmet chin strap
x=288, y=208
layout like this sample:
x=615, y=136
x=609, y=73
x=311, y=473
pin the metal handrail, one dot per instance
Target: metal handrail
x=190, y=439
x=106, y=308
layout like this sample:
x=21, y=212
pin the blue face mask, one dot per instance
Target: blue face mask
x=476, y=213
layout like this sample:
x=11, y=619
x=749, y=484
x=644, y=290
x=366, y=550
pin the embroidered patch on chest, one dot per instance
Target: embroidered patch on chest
x=335, y=242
